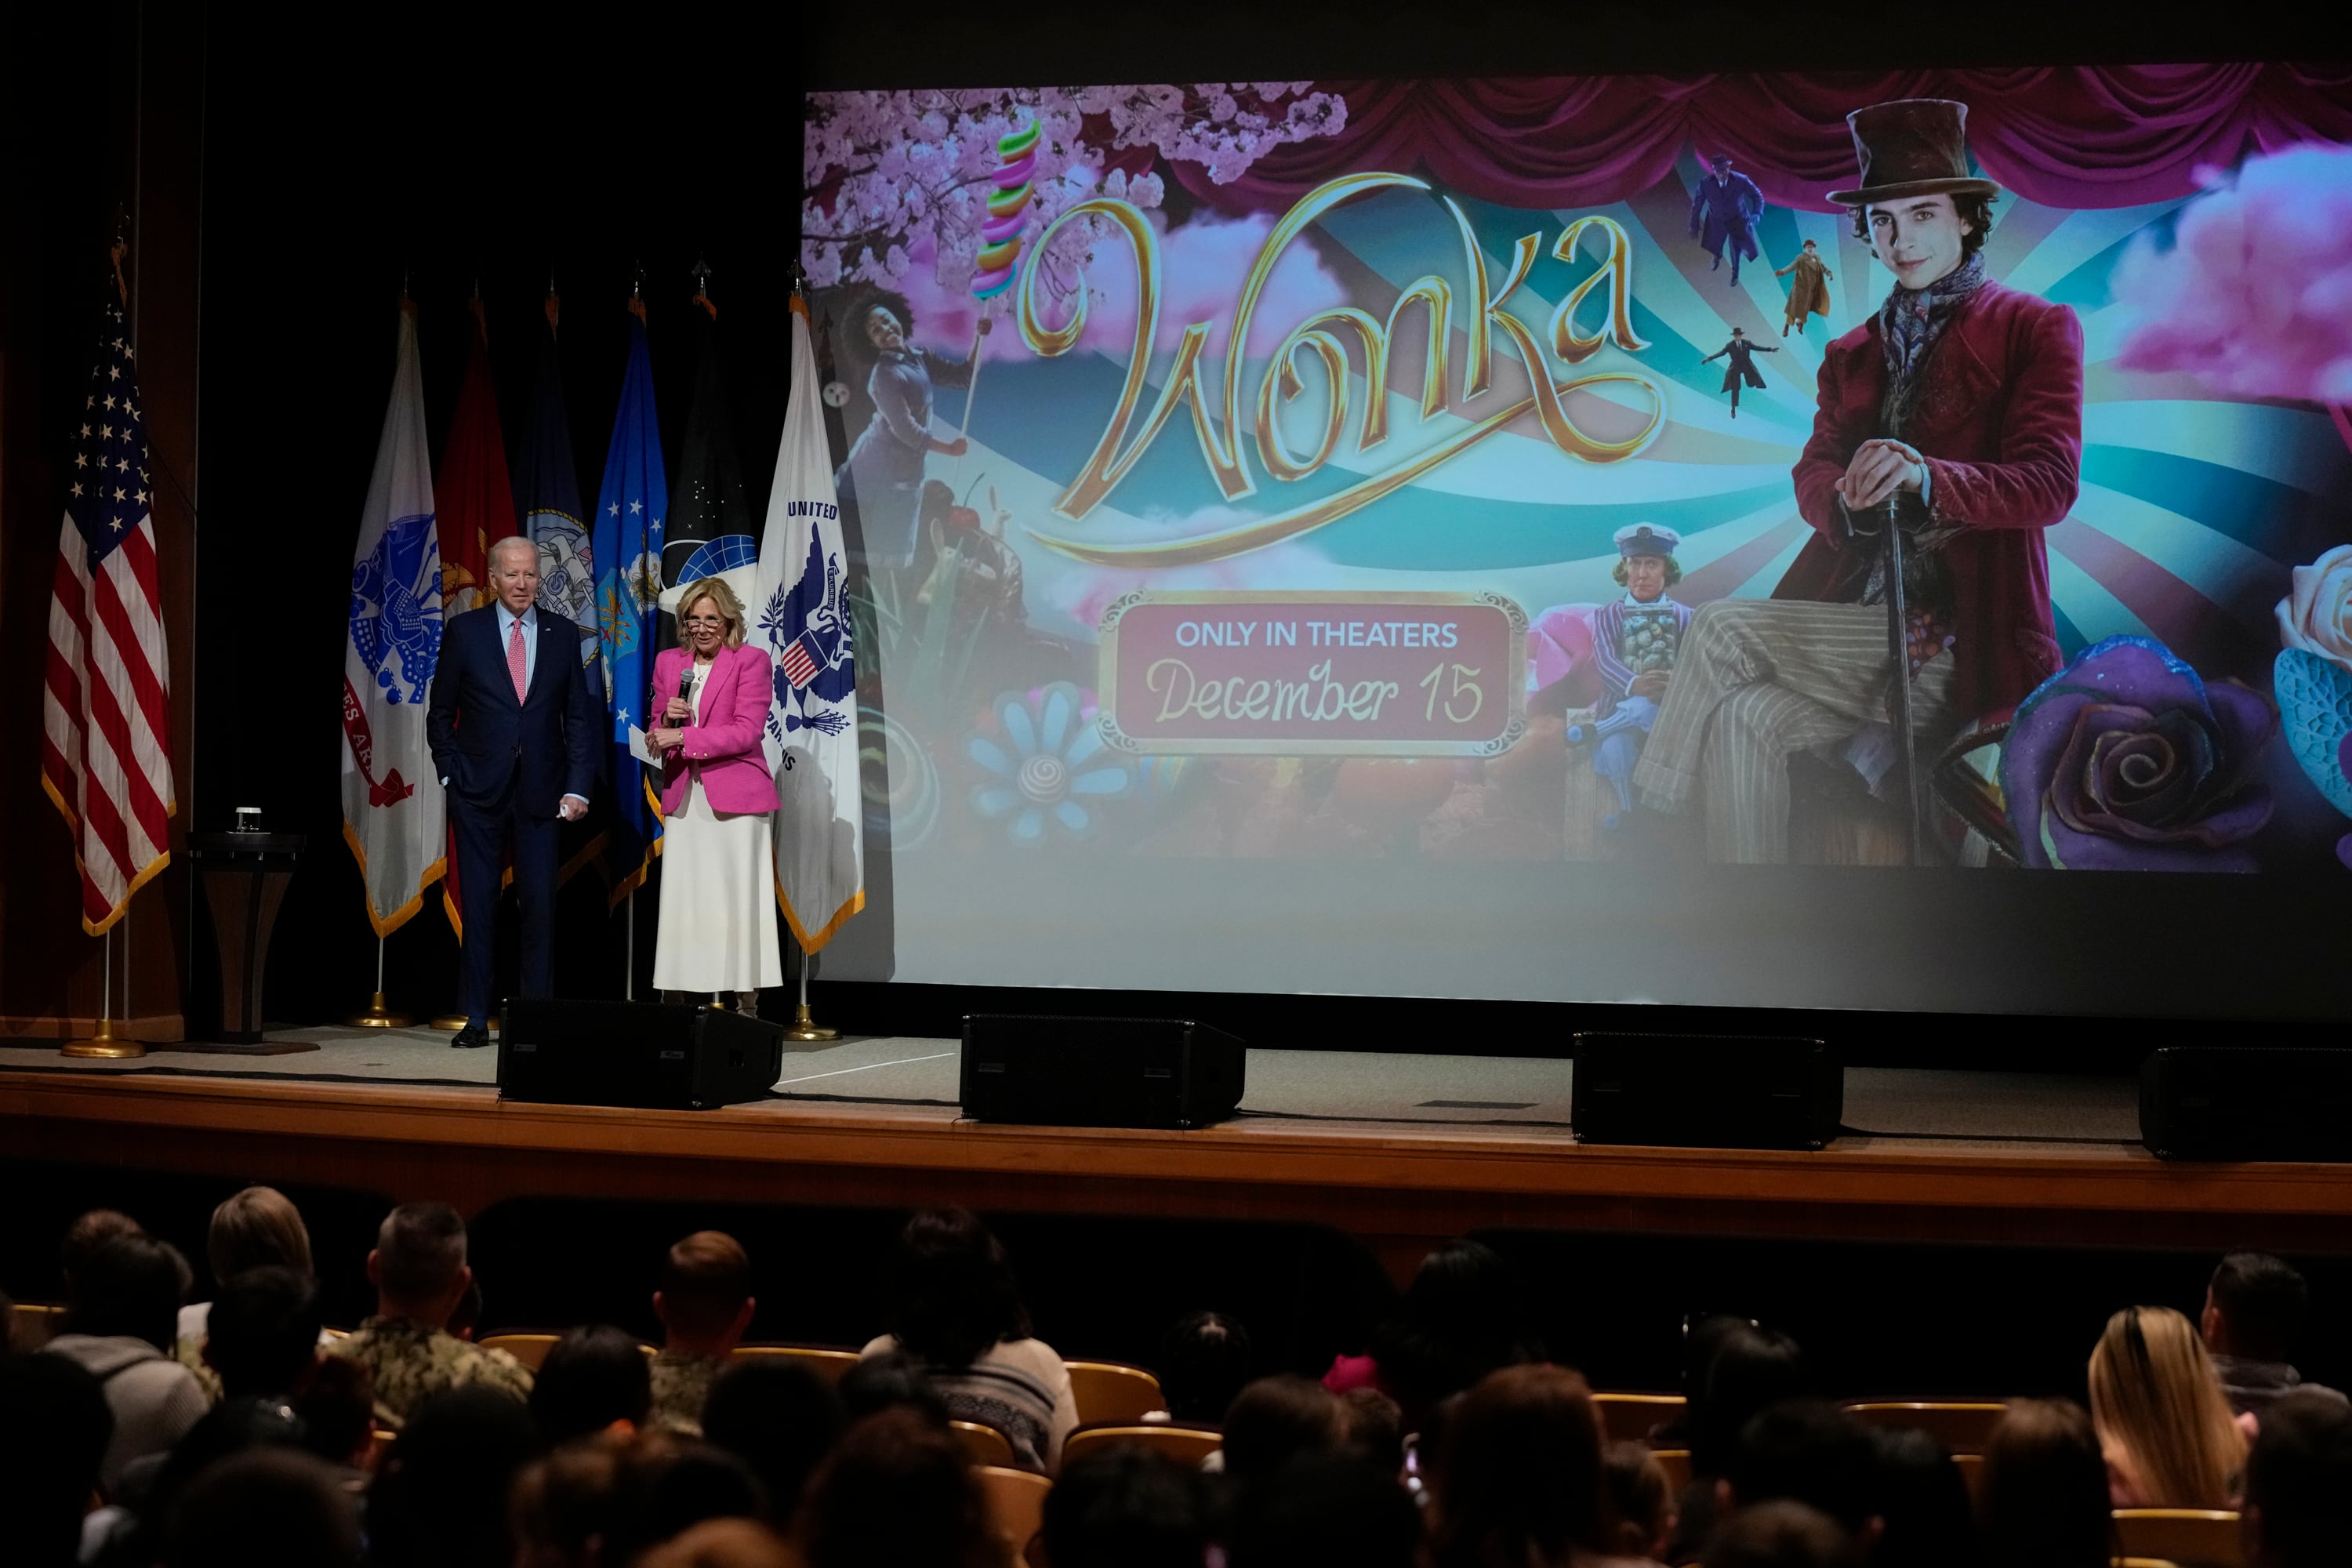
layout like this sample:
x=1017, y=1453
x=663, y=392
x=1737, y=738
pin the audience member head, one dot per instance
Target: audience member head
x=723, y=1543
x=1126, y=1507
x=440, y=1501
x=1783, y=1534
x=262, y=1335
x=2298, y=1506
x=1275, y=1418
x=237, y=1424
x=131, y=1287
x=1463, y=1316
x=1811, y=1452
x=1204, y=1362
x=2163, y=1421
x=54, y=1433
x=1371, y=1426
x=593, y=1377
x=891, y=1382
x=277, y=1506
x=1323, y=1511
x=85, y=1235
x=1517, y=1476
x=2042, y=1500
x=1703, y=1335
x=466, y=1315
x=705, y=1301
x=1637, y=1501
x=779, y=1418
x=337, y=1405
x=565, y=1506
x=1752, y=1368
x=257, y=1228
x=418, y=1267
x=1930, y=1521
x=2254, y=1308
x=897, y=1492
x=669, y=1484
x=955, y=1294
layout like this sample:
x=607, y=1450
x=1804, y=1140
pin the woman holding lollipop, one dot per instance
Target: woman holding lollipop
x=883, y=476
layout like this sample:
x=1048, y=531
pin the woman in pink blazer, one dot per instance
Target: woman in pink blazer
x=718, y=928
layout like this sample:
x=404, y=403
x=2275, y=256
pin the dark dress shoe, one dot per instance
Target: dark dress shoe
x=472, y=1037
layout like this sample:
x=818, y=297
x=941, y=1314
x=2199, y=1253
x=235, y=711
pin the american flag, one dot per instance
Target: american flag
x=799, y=667
x=106, y=698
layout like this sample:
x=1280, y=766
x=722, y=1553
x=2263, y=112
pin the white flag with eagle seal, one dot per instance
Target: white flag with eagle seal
x=803, y=613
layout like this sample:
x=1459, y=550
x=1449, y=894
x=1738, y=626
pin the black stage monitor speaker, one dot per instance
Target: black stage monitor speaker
x=1707, y=1091
x=639, y=1054
x=1098, y=1072
x=2247, y=1102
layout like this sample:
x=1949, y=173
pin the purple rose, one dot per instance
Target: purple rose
x=2125, y=761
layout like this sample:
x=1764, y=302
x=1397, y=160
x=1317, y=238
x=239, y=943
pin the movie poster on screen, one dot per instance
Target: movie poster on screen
x=1294, y=471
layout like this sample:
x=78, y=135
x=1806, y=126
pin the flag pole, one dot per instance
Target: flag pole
x=805, y=1030
x=103, y=1043
x=629, y=980
x=378, y=1016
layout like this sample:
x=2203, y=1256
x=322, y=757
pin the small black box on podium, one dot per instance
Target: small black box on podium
x=644, y=1054
x=1098, y=1072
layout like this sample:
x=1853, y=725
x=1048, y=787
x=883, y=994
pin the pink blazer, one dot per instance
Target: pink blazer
x=723, y=747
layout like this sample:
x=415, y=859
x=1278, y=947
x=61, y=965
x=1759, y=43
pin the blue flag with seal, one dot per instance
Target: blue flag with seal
x=627, y=551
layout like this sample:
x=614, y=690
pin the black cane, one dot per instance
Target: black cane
x=1898, y=643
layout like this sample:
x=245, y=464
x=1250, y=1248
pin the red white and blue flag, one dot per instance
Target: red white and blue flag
x=106, y=707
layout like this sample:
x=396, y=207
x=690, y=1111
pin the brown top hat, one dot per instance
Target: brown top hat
x=1912, y=147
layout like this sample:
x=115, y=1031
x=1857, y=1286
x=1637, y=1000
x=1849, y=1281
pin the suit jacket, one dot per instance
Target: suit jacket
x=486, y=744
x=2000, y=422
x=723, y=745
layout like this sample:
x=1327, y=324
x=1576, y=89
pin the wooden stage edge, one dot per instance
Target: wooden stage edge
x=1397, y=1187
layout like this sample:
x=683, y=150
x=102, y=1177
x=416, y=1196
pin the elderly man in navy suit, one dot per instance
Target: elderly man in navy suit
x=514, y=725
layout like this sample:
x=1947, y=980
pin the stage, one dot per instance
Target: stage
x=1396, y=1149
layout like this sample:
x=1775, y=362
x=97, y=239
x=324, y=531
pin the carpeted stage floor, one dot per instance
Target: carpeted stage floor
x=1990, y=1110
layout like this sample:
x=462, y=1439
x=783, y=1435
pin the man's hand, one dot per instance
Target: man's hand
x=1880, y=469
x=1650, y=683
x=572, y=808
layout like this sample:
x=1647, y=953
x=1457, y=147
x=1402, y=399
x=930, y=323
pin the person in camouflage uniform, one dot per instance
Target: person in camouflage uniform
x=705, y=1304
x=419, y=1270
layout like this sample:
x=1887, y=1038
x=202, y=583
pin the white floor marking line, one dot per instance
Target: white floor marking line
x=869, y=1066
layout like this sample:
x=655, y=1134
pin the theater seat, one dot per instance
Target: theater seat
x=1106, y=1391
x=2192, y=1537
x=1964, y=1426
x=35, y=1325
x=1016, y=1506
x=1675, y=1462
x=1631, y=1417
x=828, y=1361
x=986, y=1445
x=529, y=1349
x=1186, y=1445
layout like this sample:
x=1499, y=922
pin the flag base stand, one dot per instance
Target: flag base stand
x=805, y=1030
x=452, y=1023
x=378, y=1016
x=102, y=1044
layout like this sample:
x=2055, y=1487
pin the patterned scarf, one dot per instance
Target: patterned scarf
x=1909, y=323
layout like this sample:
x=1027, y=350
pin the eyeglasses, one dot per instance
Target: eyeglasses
x=706, y=620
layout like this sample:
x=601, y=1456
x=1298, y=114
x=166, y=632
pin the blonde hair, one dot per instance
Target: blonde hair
x=255, y=1228
x=716, y=590
x=2159, y=1409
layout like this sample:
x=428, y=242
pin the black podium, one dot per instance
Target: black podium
x=244, y=877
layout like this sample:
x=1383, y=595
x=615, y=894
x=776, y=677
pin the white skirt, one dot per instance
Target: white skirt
x=718, y=902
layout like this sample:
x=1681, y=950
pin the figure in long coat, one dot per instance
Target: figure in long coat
x=1810, y=294
x=1741, y=365
x=1724, y=210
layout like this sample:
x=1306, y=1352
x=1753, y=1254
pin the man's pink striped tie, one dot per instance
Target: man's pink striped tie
x=518, y=661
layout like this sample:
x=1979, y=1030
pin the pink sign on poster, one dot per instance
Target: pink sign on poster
x=1307, y=673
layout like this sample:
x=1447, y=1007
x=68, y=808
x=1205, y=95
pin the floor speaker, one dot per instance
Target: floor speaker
x=644, y=1054
x=1098, y=1072
x=2247, y=1102
x=1707, y=1091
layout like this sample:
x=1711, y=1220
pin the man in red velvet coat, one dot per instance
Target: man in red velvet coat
x=1955, y=414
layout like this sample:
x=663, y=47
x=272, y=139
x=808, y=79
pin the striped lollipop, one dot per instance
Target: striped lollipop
x=1000, y=236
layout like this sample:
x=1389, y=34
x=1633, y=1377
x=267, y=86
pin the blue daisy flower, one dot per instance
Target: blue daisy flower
x=1050, y=769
